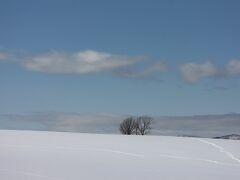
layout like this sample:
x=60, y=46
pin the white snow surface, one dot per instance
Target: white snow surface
x=39, y=155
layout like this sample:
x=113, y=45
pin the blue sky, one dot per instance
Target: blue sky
x=127, y=57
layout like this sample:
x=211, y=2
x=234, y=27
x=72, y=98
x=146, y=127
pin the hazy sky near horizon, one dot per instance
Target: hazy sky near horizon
x=165, y=57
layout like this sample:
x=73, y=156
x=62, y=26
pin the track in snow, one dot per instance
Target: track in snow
x=220, y=149
x=28, y=174
x=119, y=152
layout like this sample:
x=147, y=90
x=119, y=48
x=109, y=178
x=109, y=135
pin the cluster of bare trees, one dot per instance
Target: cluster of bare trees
x=136, y=125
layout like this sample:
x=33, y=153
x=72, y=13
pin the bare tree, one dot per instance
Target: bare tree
x=128, y=126
x=136, y=125
x=144, y=125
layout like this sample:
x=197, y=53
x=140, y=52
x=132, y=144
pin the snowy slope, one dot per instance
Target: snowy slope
x=34, y=155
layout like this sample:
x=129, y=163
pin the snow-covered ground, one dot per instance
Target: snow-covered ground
x=35, y=155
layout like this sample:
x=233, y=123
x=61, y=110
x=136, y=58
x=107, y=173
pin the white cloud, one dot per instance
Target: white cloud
x=233, y=68
x=86, y=62
x=81, y=62
x=192, y=72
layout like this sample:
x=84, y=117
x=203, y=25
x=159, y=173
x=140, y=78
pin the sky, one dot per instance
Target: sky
x=165, y=57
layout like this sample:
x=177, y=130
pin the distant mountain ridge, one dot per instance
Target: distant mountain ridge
x=231, y=136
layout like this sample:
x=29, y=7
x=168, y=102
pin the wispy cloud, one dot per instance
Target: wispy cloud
x=194, y=72
x=148, y=71
x=89, y=61
x=4, y=56
x=233, y=68
x=82, y=62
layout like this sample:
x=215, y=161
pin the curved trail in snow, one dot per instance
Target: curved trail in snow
x=77, y=148
x=118, y=152
x=220, y=149
x=27, y=173
x=194, y=159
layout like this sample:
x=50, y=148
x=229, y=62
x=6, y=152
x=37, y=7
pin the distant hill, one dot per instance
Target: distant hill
x=231, y=136
x=207, y=126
